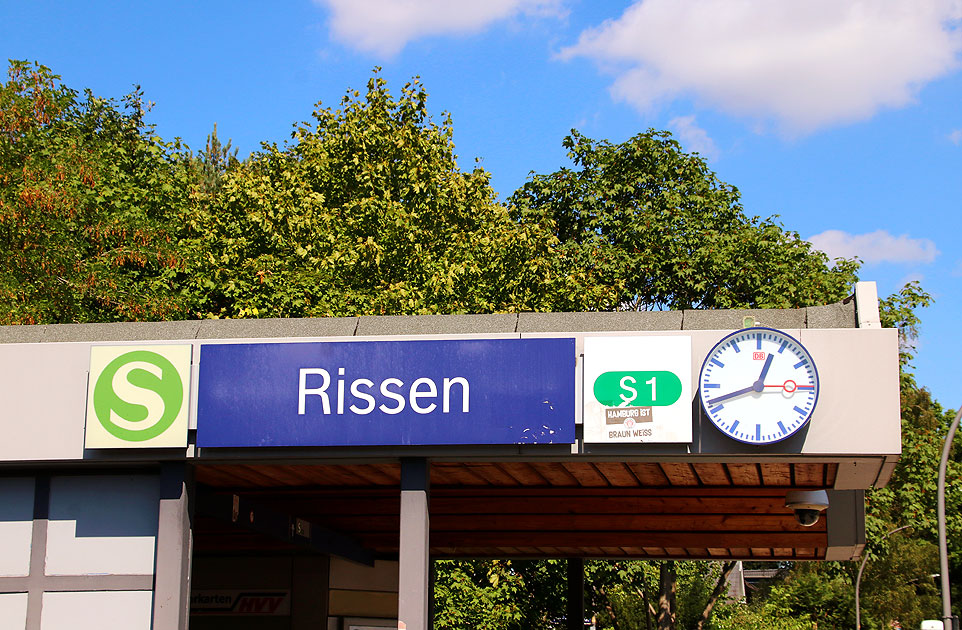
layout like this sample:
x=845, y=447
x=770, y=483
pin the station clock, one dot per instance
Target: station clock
x=759, y=385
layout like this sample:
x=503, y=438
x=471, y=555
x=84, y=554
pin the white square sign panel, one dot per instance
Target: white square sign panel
x=637, y=389
x=137, y=396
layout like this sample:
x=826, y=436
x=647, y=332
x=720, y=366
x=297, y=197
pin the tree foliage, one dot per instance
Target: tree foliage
x=367, y=212
x=648, y=226
x=499, y=594
x=897, y=583
x=645, y=595
x=89, y=201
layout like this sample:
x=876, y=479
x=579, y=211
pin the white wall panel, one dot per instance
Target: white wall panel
x=383, y=576
x=858, y=408
x=102, y=525
x=16, y=526
x=13, y=611
x=44, y=390
x=98, y=610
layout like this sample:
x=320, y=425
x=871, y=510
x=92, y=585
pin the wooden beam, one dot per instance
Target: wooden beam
x=560, y=493
x=707, y=523
x=597, y=505
x=616, y=539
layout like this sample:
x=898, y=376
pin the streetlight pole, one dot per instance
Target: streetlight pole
x=858, y=580
x=943, y=546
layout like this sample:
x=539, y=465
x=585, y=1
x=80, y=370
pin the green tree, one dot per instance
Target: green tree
x=821, y=592
x=499, y=594
x=367, y=212
x=211, y=164
x=896, y=583
x=648, y=226
x=759, y=617
x=88, y=196
x=640, y=595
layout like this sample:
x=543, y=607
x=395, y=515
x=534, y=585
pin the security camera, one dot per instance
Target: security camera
x=808, y=504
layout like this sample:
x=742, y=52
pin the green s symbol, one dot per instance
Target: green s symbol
x=138, y=396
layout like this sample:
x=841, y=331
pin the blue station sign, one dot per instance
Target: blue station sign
x=387, y=393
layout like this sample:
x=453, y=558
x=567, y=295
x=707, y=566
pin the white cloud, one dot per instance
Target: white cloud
x=875, y=247
x=693, y=137
x=911, y=277
x=956, y=137
x=384, y=27
x=805, y=64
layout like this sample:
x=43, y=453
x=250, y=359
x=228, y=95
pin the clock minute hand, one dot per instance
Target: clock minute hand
x=739, y=392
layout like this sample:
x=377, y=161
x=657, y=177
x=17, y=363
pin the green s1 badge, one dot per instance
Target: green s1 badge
x=639, y=389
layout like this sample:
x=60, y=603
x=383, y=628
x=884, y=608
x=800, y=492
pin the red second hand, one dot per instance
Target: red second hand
x=793, y=387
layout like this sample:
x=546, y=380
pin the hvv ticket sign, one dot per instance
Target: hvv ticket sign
x=387, y=393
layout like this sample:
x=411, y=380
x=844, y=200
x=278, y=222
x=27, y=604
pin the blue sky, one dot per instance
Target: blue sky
x=841, y=116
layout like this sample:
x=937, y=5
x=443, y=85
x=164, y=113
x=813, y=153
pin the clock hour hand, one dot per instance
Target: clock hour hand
x=759, y=385
x=739, y=392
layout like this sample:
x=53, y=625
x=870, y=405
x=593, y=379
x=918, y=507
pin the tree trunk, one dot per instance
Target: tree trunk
x=667, y=587
x=720, y=588
x=649, y=609
x=600, y=590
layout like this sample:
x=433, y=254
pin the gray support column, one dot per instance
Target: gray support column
x=174, y=547
x=38, y=551
x=575, y=604
x=309, y=592
x=414, y=561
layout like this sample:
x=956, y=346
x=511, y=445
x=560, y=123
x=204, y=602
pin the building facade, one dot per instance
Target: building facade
x=303, y=473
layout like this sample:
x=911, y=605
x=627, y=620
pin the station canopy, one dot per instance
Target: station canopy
x=299, y=431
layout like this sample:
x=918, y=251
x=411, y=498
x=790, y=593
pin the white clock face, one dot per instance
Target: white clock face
x=758, y=385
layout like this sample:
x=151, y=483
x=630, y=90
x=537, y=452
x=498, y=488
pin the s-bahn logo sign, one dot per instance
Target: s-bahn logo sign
x=637, y=389
x=137, y=396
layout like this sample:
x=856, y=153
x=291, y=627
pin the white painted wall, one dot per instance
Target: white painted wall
x=16, y=526
x=347, y=575
x=102, y=525
x=43, y=388
x=13, y=611
x=96, y=610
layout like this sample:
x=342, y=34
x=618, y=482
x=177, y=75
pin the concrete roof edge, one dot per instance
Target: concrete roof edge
x=839, y=315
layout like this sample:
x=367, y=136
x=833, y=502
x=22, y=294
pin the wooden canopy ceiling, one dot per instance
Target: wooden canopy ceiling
x=538, y=509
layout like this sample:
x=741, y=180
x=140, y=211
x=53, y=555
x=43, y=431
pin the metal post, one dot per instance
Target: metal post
x=575, y=605
x=858, y=580
x=943, y=547
x=413, y=565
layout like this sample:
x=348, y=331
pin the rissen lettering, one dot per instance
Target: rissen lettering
x=420, y=394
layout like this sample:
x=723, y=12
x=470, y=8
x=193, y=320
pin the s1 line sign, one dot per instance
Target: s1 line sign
x=386, y=393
